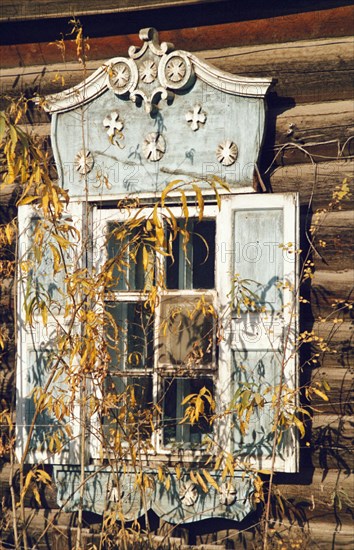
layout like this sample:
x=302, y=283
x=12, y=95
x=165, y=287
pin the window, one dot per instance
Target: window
x=166, y=352
x=197, y=335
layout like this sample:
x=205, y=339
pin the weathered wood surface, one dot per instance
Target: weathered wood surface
x=332, y=441
x=313, y=491
x=190, y=29
x=341, y=393
x=304, y=72
x=314, y=182
x=43, y=9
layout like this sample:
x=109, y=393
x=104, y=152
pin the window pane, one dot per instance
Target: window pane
x=186, y=332
x=192, y=263
x=130, y=407
x=127, y=250
x=184, y=436
x=130, y=339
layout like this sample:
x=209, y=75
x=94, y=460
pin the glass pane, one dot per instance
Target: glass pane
x=192, y=263
x=186, y=332
x=130, y=339
x=185, y=436
x=130, y=410
x=129, y=272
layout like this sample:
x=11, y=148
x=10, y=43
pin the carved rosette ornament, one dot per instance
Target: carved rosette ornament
x=154, y=146
x=188, y=493
x=227, y=494
x=83, y=162
x=163, y=69
x=226, y=152
x=123, y=75
x=148, y=71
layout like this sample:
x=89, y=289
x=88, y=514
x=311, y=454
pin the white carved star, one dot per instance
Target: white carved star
x=226, y=152
x=113, y=124
x=148, y=71
x=188, y=493
x=176, y=69
x=196, y=117
x=154, y=146
x=83, y=162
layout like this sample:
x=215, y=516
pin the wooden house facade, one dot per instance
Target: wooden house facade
x=305, y=55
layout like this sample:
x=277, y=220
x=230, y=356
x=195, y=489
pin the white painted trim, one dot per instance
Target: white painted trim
x=288, y=202
x=32, y=339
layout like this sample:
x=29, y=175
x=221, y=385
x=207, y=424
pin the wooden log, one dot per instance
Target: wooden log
x=332, y=441
x=332, y=240
x=319, y=131
x=190, y=28
x=341, y=392
x=315, y=183
x=327, y=292
x=304, y=72
x=48, y=493
x=45, y=9
x=319, y=495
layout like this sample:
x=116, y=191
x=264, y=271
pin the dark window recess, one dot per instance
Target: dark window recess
x=130, y=336
x=186, y=435
x=128, y=272
x=193, y=263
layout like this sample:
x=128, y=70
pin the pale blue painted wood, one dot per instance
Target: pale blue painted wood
x=167, y=504
x=189, y=154
x=257, y=347
x=258, y=257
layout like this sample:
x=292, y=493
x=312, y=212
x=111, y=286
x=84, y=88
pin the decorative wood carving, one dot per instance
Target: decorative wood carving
x=136, y=77
x=83, y=162
x=113, y=124
x=188, y=493
x=227, y=152
x=196, y=117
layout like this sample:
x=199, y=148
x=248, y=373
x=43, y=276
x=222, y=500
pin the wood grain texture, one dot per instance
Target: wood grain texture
x=305, y=71
x=189, y=28
x=315, y=183
x=44, y=9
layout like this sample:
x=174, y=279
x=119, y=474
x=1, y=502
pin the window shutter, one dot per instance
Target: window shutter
x=257, y=351
x=38, y=354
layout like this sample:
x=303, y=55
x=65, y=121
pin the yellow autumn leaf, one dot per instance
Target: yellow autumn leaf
x=210, y=479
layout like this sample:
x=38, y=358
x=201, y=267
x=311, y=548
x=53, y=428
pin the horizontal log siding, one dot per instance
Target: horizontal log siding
x=306, y=71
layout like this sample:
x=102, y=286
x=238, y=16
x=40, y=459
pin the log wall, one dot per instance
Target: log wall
x=309, y=147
